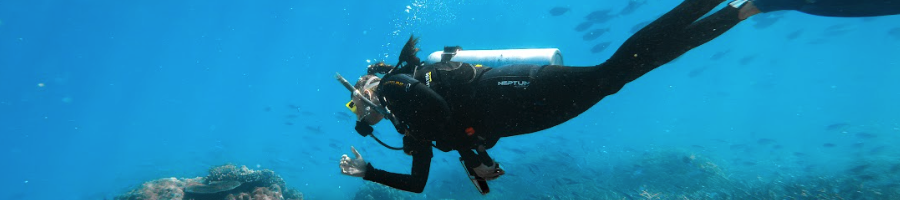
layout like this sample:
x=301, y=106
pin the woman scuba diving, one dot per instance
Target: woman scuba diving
x=468, y=107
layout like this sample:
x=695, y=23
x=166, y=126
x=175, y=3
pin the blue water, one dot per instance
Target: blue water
x=97, y=97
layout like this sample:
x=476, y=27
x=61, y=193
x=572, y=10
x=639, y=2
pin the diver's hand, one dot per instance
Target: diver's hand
x=353, y=167
x=489, y=172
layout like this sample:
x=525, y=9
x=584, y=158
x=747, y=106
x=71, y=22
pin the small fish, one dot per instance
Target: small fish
x=317, y=129
x=632, y=6
x=594, y=34
x=747, y=59
x=865, y=135
x=584, y=26
x=795, y=34
x=818, y=41
x=637, y=27
x=600, y=47
x=866, y=177
x=777, y=146
x=567, y=181
x=599, y=16
x=342, y=116
x=531, y=169
x=859, y=168
x=267, y=109
x=877, y=150
x=868, y=19
x=765, y=141
x=748, y=163
x=894, y=33
x=894, y=169
x=307, y=113
x=698, y=147
x=836, y=30
x=764, y=21
x=720, y=54
x=798, y=154
x=557, y=11
x=836, y=126
x=738, y=147
x=829, y=145
x=858, y=145
x=290, y=116
x=696, y=72
x=288, y=123
x=518, y=151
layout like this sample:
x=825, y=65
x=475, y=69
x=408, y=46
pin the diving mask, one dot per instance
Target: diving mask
x=351, y=106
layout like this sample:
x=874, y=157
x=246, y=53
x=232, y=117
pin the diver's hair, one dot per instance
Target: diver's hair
x=379, y=68
x=366, y=82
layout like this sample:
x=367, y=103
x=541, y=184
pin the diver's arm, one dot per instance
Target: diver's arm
x=413, y=182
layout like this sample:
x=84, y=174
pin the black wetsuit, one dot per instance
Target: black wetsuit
x=459, y=106
x=833, y=8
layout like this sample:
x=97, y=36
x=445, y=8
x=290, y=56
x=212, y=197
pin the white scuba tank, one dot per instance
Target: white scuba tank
x=500, y=57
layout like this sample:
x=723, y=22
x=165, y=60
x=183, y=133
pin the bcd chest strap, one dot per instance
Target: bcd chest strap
x=449, y=52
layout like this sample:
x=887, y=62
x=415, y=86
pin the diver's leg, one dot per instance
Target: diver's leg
x=642, y=53
x=679, y=17
x=551, y=95
x=708, y=29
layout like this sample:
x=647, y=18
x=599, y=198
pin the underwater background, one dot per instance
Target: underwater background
x=98, y=97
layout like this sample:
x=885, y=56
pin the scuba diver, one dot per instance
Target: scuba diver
x=469, y=106
x=828, y=8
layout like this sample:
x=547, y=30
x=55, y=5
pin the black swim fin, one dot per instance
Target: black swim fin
x=479, y=182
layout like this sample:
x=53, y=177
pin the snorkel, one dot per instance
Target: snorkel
x=383, y=111
x=362, y=97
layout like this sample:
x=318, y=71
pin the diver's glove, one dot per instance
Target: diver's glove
x=363, y=128
x=489, y=172
x=353, y=167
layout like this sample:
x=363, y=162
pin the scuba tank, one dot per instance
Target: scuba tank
x=498, y=58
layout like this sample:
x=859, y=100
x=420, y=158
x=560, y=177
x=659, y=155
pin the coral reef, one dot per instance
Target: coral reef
x=223, y=182
x=663, y=174
x=670, y=171
x=244, y=175
x=212, y=188
x=375, y=191
x=166, y=188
